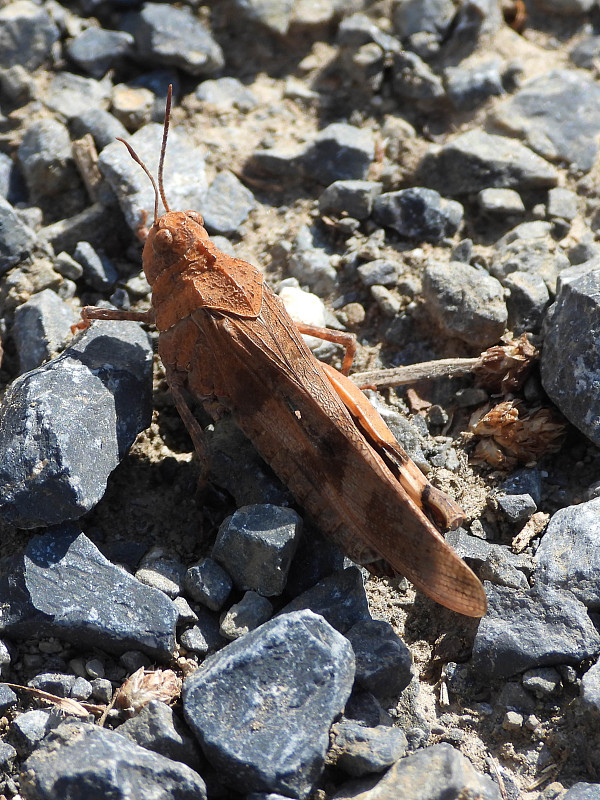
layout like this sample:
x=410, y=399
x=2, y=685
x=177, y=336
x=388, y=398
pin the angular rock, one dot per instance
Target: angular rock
x=98, y=270
x=256, y=546
x=311, y=267
x=570, y=363
x=340, y=598
x=161, y=572
x=417, y=16
x=169, y=36
x=262, y=707
x=533, y=628
x=359, y=750
x=227, y=204
x=418, y=213
x=316, y=557
x=7, y=698
x=41, y=327
x=204, y=637
x=54, y=683
x=16, y=238
x=97, y=394
x=562, y=203
x=413, y=79
x=156, y=728
x=27, y=35
x=71, y=95
x=518, y=508
x=275, y=15
x=208, y=583
x=542, y=682
x=63, y=586
x=226, y=93
x=465, y=302
x=568, y=556
x=45, y=158
x=470, y=86
x=383, y=662
x=528, y=300
x=79, y=759
x=101, y=124
x=524, y=481
x=95, y=50
x=355, y=198
x=434, y=773
x=477, y=160
x=583, y=791
x=252, y=610
x=339, y=152
x=529, y=248
x=557, y=114
x=185, y=179
x=29, y=728
x=502, y=202
x=590, y=689
x=380, y=272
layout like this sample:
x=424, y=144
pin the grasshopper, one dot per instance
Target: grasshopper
x=226, y=339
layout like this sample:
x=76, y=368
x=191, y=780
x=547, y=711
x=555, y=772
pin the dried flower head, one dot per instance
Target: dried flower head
x=146, y=685
x=505, y=367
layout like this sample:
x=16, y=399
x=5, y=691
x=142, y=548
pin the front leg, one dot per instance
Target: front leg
x=88, y=313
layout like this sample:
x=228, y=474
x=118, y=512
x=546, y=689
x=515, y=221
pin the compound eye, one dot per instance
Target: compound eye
x=195, y=217
x=163, y=239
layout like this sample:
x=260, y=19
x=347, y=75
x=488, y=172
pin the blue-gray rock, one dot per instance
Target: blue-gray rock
x=466, y=302
x=287, y=681
x=102, y=690
x=583, y=791
x=227, y=204
x=185, y=178
x=101, y=124
x=27, y=35
x=585, y=52
x=315, y=558
x=208, y=583
x=71, y=95
x=340, y=598
x=162, y=572
x=542, y=682
x=173, y=37
x=417, y=16
x=477, y=160
x=358, y=30
x=8, y=754
x=565, y=7
x=354, y=198
x=470, y=86
x=365, y=708
x=312, y=267
x=66, y=266
x=529, y=248
x=568, y=556
x=500, y=202
x=204, y=636
x=558, y=116
x=383, y=662
x=157, y=729
x=63, y=586
x=82, y=412
x=517, y=508
x=226, y=93
x=570, y=360
x=45, y=158
x=79, y=759
x=539, y=627
x=590, y=689
x=17, y=239
x=529, y=297
x=95, y=50
x=524, y=481
x=562, y=203
x=414, y=80
x=380, y=272
x=53, y=682
x=252, y=610
x=418, y=213
x=81, y=689
x=41, y=327
x=12, y=183
x=339, y=152
x=358, y=750
x=29, y=728
x=276, y=15
x=434, y=773
x=7, y=698
x=256, y=546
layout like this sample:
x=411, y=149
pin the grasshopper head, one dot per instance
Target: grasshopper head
x=178, y=237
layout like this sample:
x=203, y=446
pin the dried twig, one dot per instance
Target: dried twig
x=85, y=156
x=400, y=376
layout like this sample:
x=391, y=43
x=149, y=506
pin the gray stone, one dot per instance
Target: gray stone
x=101, y=124
x=380, y=272
x=204, y=637
x=315, y=558
x=45, y=158
x=542, y=682
x=227, y=204
x=226, y=93
x=169, y=36
x=63, y=586
x=8, y=754
x=29, y=728
x=95, y=50
x=357, y=30
x=27, y=35
x=365, y=708
x=97, y=391
x=81, y=689
x=477, y=160
x=465, y=302
x=585, y=53
x=287, y=681
x=529, y=248
x=383, y=662
x=498, y=561
x=275, y=15
x=557, y=114
x=517, y=508
x=161, y=572
x=41, y=327
x=185, y=187
x=79, y=759
x=470, y=86
x=413, y=79
x=7, y=698
x=358, y=750
x=67, y=266
x=568, y=556
x=312, y=267
x=524, y=481
x=565, y=7
x=590, y=689
x=71, y=95
x=245, y=616
x=562, y=203
x=208, y=583
x=157, y=729
x=102, y=690
x=256, y=546
x=434, y=773
x=53, y=683
x=339, y=152
x=133, y=106
x=415, y=16
x=418, y=213
x=98, y=270
x=538, y=627
x=354, y=198
x=583, y=791
x=340, y=598
x=16, y=239
x=571, y=355
x=529, y=297
x=502, y=202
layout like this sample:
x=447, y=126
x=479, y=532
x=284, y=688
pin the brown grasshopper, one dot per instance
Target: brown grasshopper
x=226, y=338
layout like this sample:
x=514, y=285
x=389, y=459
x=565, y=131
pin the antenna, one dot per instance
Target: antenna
x=158, y=190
